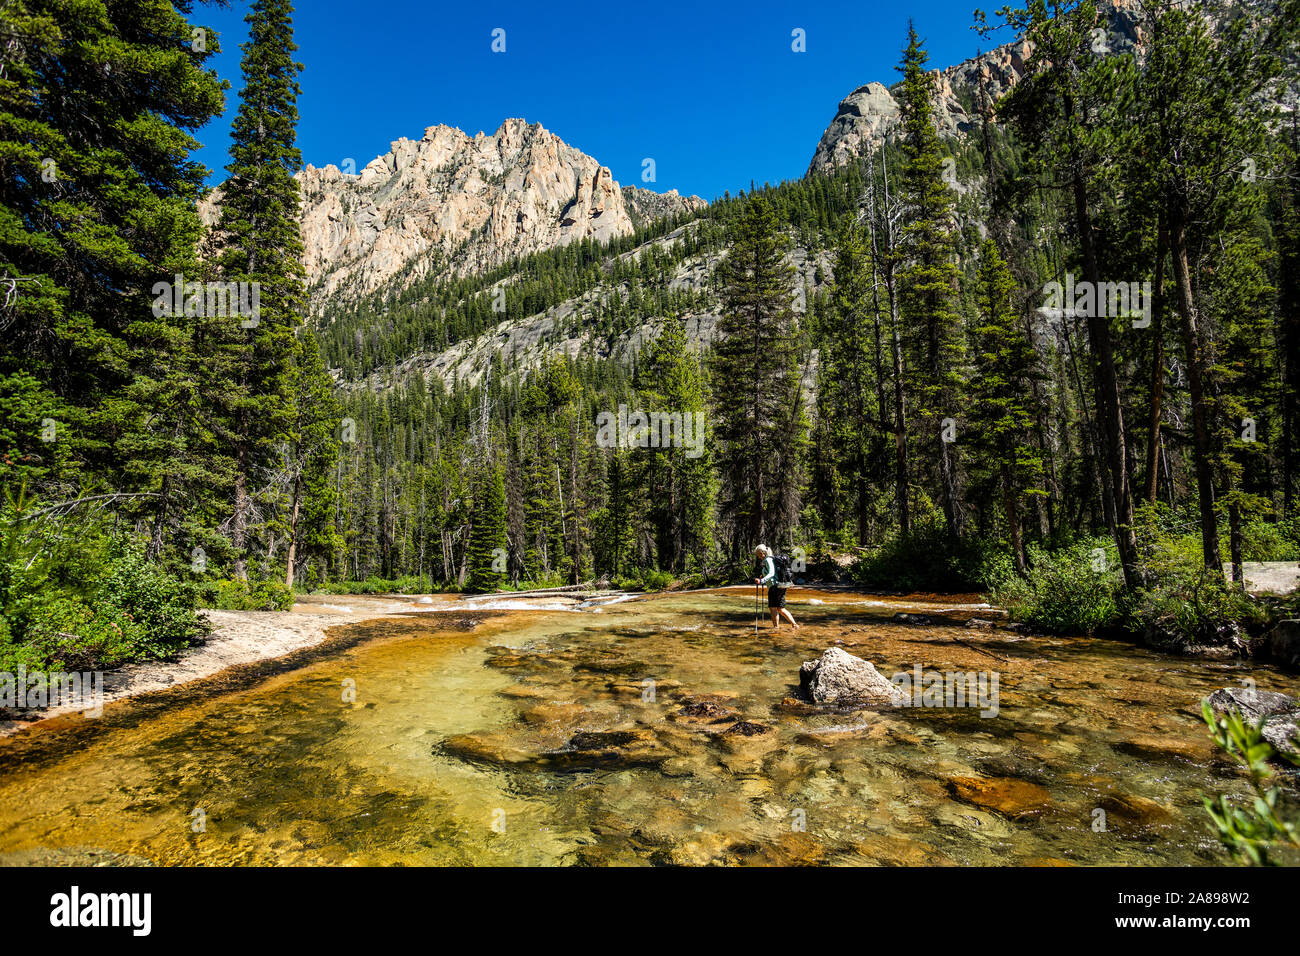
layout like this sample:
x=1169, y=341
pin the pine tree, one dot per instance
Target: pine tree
x=1238, y=300
x=1287, y=204
x=851, y=380
x=614, y=521
x=1205, y=123
x=756, y=384
x=1002, y=412
x=929, y=280
x=487, y=542
x=313, y=447
x=97, y=205
x=1068, y=113
x=260, y=245
x=677, y=482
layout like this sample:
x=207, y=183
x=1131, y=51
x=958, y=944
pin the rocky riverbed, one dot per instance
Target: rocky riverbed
x=661, y=729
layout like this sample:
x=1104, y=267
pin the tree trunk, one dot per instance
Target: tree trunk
x=900, y=429
x=1155, y=413
x=160, y=521
x=1110, y=413
x=948, y=482
x=1202, y=448
x=239, y=524
x=1235, y=544
x=1013, y=519
x=293, y=531
x=900, y=405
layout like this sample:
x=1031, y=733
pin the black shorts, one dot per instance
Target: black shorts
x=776, y=596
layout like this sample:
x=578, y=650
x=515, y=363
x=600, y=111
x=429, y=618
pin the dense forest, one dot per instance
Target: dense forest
x=1053, y=360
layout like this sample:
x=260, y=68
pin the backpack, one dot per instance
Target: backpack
x=782, y=564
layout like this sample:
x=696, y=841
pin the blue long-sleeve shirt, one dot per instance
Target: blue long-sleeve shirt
x=770, y=567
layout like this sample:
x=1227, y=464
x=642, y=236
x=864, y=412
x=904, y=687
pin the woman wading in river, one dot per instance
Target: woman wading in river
x=776, y=588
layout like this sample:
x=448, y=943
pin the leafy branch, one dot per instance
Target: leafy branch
x=1252, y=832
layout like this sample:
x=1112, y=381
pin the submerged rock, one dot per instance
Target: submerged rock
x=1158, y=747
x=747, y=728
x=555, y=712
x=608, y=664
x=639, y=747
x=641, y=688
x=792, y=705
x=919, y=619
x=1008, y=796
x=485, y=748
x=1136, y=809
x=1280, y=714
x=508, y=658
x=613, y=748
x=705, y=712
x=840, y=678
x=793, y=848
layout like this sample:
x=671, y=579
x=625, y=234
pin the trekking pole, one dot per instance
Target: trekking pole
x=756, y=587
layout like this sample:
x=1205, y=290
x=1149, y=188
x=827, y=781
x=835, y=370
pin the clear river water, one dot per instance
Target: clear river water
x=660, y=730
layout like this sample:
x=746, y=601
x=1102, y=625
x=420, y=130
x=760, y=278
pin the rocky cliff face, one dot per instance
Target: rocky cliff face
x=868, y=115
x=459, y=204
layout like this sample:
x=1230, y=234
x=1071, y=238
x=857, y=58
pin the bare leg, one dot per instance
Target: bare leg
x=776, y=621
x=789, y=617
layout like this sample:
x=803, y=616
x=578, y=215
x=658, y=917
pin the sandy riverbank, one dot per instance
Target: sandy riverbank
x=242, y=637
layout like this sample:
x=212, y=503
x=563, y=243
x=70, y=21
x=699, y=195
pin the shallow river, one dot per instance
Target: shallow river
x=660, y=730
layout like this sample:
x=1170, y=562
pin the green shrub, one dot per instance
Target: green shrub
x=928, y=559
x=74, y=597
x=1255, y=831
x=1071, y=590
x=1269, y=541
x=554, y=579
x=654, y=580
x=273, y=595
x=1190, y=606
x=160, y=605
x=67, y=634
x=14, y=656
x=647, y=579
x=233, y=595
x=1181, y=602
x=410, y=584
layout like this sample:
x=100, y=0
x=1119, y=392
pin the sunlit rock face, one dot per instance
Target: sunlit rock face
x=458, y=204
x=964, y=92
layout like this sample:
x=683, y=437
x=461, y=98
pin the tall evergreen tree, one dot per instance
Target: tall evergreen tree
x=929, y=280
x=1287, y=206
x=487, y=543
x=1205, y=124
x=97, y=205
x=851, y=395
x=260, y=245
x=756, y=384
x=676, y=481
x=311, y=450
x=1002, y=411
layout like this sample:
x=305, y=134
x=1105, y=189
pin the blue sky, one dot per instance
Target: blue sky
x=712, y=92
